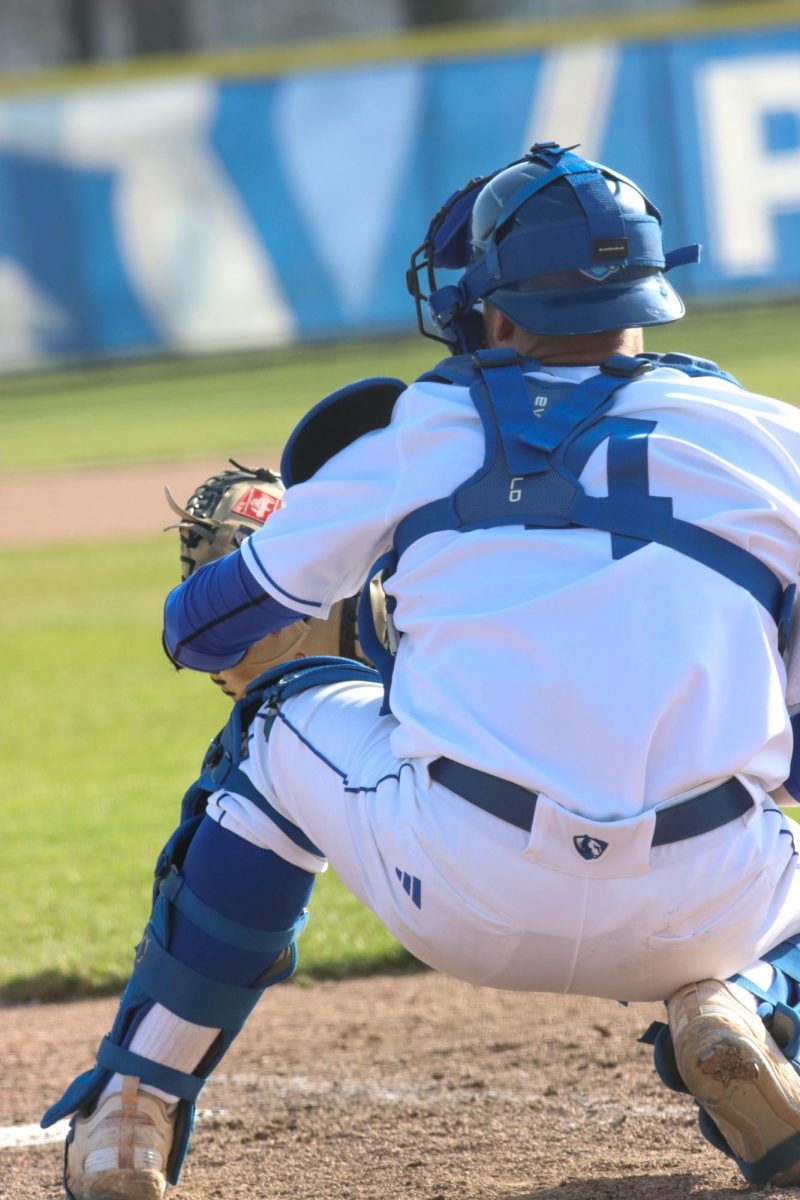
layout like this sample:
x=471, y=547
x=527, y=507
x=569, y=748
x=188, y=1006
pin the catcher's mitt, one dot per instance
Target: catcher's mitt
x=219, y=515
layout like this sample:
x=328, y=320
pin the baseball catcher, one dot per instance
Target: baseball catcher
x=223, y=511
x=561, y=781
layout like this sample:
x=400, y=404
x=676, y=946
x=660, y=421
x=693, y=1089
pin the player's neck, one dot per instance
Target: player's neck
x=577, y=350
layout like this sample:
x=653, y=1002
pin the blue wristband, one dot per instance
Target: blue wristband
x=212, y=618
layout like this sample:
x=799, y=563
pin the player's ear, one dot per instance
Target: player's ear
x=499, y=329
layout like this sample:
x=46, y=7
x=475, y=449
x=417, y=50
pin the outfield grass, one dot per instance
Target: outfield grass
x=162, y=411
x=103, y=736
x=183, y=409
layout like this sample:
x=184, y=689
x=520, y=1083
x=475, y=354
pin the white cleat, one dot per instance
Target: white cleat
x=736, y=1071
x=120, y=1152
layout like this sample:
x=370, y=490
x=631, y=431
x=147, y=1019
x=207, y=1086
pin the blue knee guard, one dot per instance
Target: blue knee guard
x=159, y=976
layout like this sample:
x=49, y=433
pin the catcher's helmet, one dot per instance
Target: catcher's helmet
x=559, y=244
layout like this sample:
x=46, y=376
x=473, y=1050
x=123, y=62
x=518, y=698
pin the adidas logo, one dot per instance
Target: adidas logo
x=411, y=886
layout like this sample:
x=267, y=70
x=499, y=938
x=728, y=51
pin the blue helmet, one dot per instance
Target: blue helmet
x=559, y=244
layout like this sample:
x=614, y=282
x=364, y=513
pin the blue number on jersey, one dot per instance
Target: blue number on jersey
x=627, y=472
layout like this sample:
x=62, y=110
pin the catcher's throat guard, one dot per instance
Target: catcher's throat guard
x=335, y=422
x=560, y=244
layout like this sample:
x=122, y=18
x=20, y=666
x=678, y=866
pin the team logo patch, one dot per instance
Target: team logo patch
x=589, y=847
x=256, y=505
x=598, y=274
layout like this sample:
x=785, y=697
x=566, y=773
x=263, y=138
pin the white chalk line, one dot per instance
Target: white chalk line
x=20, y=1137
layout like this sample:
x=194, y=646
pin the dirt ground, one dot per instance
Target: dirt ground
x=409, y=1086
x=123, y=501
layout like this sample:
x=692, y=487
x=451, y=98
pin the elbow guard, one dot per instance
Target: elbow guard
x=212, y=618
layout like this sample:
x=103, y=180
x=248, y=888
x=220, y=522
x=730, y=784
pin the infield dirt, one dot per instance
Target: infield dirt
x=101, y=503
x=401, y=1086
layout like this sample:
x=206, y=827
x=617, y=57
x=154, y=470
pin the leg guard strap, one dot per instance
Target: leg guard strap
x=780, y=1158
x=177, y=1083
x=173, y=889
x=186, y=992
x=779, y=1004
x=658, y=1036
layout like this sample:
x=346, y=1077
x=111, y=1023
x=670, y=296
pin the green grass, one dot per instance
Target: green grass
x=754, y=344
x=103, y=740
x=182, y=409
x=241, y=405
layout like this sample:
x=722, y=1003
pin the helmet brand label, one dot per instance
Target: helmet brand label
x=610, y=248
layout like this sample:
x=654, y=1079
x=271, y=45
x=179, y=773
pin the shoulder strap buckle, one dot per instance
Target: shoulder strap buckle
x=625, y=366
x=499, y=356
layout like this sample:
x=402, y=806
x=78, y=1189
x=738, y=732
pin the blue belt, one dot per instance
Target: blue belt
x=516, y=805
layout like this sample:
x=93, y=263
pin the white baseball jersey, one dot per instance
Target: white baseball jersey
x=611, y=686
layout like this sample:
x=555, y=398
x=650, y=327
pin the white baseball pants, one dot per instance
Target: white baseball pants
x=484, y=901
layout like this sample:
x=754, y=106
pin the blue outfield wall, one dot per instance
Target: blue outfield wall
x=193, y=214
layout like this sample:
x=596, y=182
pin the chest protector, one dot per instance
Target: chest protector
x=539, y=436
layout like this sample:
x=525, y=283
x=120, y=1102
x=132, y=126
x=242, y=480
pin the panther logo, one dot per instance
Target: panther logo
x=589, y=847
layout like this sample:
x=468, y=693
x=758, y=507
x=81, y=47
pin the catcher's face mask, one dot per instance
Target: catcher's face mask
x=446, y=246
x=559, y=244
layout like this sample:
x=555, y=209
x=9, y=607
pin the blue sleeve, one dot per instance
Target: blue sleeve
x=212, y=618
x=792, y=784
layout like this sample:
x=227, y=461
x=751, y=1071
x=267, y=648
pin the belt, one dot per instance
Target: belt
x=516, y=805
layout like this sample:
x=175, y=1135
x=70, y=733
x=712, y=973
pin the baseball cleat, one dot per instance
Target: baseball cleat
x=739, y=1076
x=120, y=1151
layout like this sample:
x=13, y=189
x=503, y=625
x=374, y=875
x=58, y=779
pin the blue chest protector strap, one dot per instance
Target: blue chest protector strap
x=539, y=436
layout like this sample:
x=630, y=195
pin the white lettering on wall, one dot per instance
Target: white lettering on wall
x=187, y=242
x=747, y=183
x=573, y=97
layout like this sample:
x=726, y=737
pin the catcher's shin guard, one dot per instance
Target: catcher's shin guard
x=742, y=1079
x=742, y=1066
x=159, y=976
